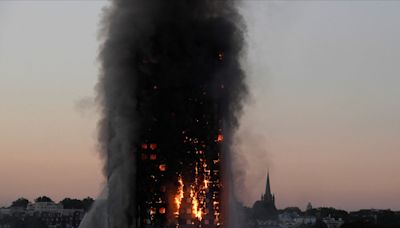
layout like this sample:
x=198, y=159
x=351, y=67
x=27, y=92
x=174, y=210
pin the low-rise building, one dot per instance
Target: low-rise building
x=51, y=214
x=332, y=222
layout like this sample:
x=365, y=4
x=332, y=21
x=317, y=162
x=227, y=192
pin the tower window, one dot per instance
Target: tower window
x=153, y=146
x=163, y=167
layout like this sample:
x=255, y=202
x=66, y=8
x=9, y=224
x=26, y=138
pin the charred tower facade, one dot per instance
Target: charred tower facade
x=171, y=90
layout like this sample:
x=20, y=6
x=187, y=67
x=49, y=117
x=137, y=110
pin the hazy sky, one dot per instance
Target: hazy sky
x=324, y=115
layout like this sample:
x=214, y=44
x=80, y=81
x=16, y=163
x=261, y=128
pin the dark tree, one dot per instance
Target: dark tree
x=43, y=199
x=21, y=202
x=323, y=212
x=293, y=209
x=388, y=217
x=69, y=203
x=87, y=203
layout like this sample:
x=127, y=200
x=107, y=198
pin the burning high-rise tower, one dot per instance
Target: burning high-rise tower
x=171, y=89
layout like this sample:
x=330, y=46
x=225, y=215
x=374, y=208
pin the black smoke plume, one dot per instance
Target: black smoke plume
x=170, y=72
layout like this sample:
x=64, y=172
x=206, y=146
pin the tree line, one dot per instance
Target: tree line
x=67, y=203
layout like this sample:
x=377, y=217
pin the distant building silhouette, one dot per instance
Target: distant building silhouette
x=309, y=206
x=265, y=208
x=40, y=215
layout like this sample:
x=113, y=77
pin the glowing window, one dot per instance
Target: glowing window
x=220, y=56
x=220, y=138
x=153, y=146
x=162, y=167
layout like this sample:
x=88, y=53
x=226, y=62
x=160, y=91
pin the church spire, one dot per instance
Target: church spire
x=268, y=187
x=268, y=195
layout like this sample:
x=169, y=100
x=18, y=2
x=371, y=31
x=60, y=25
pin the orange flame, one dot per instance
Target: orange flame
x=206, y=183
x=220, y=138
x=197, y=195
x=179, y=196
x=195, y=205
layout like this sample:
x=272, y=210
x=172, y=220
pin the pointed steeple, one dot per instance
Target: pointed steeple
x=268, y=194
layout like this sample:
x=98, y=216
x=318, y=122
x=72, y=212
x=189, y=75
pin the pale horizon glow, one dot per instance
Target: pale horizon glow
x=323, y=116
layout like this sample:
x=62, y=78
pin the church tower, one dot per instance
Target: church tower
x=268, y=196
x=265, y=208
